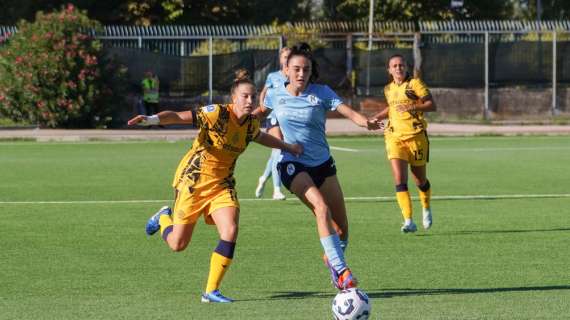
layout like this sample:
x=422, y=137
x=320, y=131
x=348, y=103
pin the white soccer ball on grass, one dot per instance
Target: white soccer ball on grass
x=351, y=304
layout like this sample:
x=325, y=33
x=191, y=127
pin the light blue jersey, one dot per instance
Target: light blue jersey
x=302, y=120
x=274, y=80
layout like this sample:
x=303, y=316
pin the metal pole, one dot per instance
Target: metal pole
x=554, y=78
x=486, y=113
x=370, y=30
x=349, y=66
x=370, y=24
x=140, y=42
x=417, y=56
x=210, y=68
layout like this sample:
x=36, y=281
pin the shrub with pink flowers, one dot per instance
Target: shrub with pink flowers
x=54, y=73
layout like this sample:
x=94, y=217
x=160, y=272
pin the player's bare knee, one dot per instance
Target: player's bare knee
x=321, y=211
x=229, y=233
x=178, y=245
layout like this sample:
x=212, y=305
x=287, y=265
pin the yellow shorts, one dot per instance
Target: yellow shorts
x=415, y=150
x=188, y=206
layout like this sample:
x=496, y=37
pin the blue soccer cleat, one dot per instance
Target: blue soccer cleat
x=215, y=297
x=153, y=225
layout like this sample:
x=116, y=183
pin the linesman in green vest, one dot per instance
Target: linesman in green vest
x=150, y=86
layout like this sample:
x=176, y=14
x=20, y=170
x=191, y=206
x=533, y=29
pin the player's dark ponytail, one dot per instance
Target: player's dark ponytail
x=304, y=49
x=241, y=76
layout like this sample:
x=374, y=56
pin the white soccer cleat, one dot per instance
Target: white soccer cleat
x=409, y=227
x=427, y=221
x=260, y=187
x=277, y=195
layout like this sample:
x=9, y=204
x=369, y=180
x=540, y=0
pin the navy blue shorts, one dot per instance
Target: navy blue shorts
x=270, y=123
x=289, y=169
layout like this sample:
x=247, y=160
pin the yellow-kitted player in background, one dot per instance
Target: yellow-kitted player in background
x=406, y=138
x=204, y=181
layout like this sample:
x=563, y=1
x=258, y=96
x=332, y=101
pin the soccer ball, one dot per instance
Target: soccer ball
x=351, y=304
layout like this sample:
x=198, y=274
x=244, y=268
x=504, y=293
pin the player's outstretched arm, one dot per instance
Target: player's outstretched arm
x=163, y=117
x=358, y=118
x=381, y=115
x=425, y=104
x=261, y=112
x=272, y=142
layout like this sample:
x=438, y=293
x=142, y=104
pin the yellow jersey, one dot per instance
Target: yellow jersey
x=211, y=161
x=405, y=125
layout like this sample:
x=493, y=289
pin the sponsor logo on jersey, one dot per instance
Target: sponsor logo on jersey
x=209, y=108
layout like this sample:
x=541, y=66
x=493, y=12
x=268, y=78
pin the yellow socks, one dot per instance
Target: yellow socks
x=425, y=194
x=404, y=200
x=219, y=263
x=165, y=222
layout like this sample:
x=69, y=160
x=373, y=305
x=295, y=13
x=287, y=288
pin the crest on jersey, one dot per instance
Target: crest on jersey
x=209, y=108
x=313, y=100
x=282, y=101
x=290, y=169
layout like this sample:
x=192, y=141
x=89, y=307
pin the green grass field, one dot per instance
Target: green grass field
x=73, y=245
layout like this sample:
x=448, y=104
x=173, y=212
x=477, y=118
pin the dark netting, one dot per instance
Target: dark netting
x=224, y=67
x=332, y=68
x=188, y=76
x=563, y=61
x=378, y=74
x=522, y=62
x=178, y=76
x=453, y=65
x=264, y=62
x=259, y=63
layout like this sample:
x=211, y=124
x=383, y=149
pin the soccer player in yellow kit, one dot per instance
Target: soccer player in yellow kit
x=406, y=138
x=204, y=181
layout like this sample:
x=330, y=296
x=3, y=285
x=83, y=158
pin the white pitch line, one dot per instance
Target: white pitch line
x=344, y=149
x=374, y=199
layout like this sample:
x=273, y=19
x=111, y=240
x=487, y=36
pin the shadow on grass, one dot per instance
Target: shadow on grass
x=389, y=293
x=405, y=292
x=468, y=232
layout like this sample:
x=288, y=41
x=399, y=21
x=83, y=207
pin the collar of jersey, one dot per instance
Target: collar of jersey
x=234, y=117
x=304, y=92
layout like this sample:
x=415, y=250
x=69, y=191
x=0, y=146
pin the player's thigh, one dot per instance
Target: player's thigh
x=419, y=173
x=304, y=188
x=334, y=198
x=180, y=236
x=227, y=222
x=399, y=170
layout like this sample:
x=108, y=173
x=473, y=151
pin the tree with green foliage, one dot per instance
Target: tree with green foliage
x=55, y=74
x=152, y=12
x=415, y=10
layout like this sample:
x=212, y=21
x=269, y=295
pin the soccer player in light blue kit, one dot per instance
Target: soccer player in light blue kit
x=301, y=107
x=274, y=79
